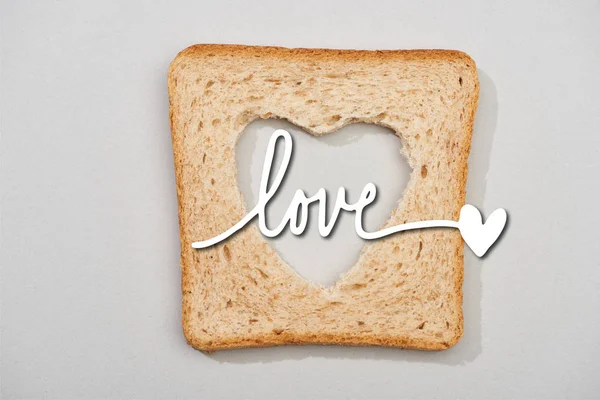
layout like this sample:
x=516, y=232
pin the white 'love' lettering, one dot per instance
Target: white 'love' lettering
x=296, y=215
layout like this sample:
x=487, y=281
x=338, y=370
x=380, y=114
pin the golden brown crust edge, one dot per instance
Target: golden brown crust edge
x=289, y=338
x=285, y=338
x=468, y=134
x=340, y=55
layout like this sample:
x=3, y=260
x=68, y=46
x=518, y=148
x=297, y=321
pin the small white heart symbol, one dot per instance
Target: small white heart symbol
x=478, y=236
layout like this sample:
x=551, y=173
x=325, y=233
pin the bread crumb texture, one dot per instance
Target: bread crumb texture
x=406, y=289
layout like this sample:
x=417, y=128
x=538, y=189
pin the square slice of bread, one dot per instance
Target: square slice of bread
x=405, y=290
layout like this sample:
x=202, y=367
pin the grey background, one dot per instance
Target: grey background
x=90, y=302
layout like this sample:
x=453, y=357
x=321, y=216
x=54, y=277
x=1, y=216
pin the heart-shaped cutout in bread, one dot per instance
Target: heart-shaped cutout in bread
x=350, y=158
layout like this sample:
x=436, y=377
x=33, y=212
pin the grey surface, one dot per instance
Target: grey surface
x=90, y=302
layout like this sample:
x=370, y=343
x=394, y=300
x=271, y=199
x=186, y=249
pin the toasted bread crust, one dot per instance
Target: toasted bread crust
x=200, y=274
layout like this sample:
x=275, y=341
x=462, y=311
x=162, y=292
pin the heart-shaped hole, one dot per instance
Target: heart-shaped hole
x=350, y=157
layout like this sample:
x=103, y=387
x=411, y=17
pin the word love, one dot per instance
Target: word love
x=478, y=236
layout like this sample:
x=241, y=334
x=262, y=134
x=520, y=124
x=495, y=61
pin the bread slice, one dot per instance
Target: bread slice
x=406, y=289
